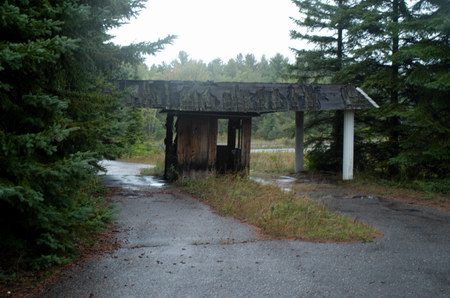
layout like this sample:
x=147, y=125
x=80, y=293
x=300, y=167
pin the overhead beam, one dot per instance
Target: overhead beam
x=246, y=98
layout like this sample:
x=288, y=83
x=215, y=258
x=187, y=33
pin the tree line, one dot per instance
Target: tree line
x=242, y=68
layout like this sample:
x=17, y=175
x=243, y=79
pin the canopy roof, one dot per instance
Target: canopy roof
x=251, y=98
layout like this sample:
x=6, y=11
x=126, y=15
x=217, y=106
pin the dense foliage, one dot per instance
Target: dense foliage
x=320, y=65
x=398, y=51
x=57, y=121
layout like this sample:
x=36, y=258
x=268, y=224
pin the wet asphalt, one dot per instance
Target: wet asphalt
x=175, y=246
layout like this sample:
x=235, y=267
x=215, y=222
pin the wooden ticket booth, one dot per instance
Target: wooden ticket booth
x=194, y=108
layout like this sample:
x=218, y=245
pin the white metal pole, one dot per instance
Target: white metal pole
x=299, y=146
x=349, y=132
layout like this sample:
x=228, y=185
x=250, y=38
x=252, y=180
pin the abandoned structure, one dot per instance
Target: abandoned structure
x=193, y=109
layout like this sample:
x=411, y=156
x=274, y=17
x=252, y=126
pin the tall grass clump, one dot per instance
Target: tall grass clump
x=157, y=160
x=279, y=214
x=149, y=153
x=272, y=162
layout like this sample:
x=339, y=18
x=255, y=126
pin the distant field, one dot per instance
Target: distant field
x=278, y=143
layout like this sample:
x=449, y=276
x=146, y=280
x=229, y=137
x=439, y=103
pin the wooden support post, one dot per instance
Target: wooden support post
x=349, y=132
x=231, y=161
x=168, y=141
x=299, y=146
x=246, y=137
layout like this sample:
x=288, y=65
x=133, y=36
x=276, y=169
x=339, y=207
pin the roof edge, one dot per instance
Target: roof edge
x=367, y=97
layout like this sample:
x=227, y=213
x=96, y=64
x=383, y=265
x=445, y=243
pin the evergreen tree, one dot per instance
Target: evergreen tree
x=216, y=69
x=398, y=51
x=326, y=24
x=424, y=149
x=264, y=67
x=55, y=63
x=377, y=35
x=323, y=24
x=278, y=68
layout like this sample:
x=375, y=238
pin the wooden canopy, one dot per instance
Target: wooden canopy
x=246, y=98
x=191, y=138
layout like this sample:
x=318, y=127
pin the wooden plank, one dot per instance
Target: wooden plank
x=212, y=142
x=246, y=136
x=242, y=97
x=183, y=141
x=170, y=158
x=197, y=138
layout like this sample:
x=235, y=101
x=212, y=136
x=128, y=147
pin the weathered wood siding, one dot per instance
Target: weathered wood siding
x=196, y=144
x=170, y=161
x=246, y=144
x=241, y=97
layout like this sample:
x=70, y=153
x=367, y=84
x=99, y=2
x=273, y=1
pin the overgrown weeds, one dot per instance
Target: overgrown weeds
x=279, y=214
x=272, y=162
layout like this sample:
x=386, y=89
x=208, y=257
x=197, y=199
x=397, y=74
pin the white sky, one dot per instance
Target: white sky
x=209, y=29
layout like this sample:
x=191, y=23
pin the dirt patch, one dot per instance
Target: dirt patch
x=320, y=185
x=438, y=201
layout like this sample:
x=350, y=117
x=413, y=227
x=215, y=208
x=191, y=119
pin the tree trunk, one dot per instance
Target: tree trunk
x=338, y=120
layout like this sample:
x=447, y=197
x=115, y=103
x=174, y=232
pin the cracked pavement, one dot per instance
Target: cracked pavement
x=175, y=246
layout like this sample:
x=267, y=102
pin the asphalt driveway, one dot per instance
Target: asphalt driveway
x=175, y=246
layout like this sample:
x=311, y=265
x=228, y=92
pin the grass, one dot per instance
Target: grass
x=282, y=163
x=272, y=162
x=149, y=152
x=263, y=144
x=278, y=214
x=155, y=158
x=272, y=144
x=260, y=162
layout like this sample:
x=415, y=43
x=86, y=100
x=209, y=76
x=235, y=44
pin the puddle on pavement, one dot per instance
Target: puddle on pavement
x=127, y=175
x=285, y=183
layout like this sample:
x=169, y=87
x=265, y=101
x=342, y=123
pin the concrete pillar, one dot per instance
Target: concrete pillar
x=299, y=146
x=349, y=132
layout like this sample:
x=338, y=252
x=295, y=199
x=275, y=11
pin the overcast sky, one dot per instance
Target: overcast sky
x=209, y=29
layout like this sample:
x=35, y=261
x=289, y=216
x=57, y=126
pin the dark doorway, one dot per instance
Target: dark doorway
x=233, y=157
